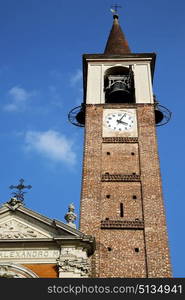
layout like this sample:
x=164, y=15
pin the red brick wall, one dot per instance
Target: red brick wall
x=122, y=260
x=151, y=243
x=158, y=261
x=121, y=192
x=122, y=158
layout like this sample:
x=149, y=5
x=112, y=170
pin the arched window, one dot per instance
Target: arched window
x=119, y=85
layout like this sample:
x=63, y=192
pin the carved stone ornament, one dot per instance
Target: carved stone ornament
x=5, y=272
x=14, y=203
x=74, y=265
x=9, y=270
x=13, y=229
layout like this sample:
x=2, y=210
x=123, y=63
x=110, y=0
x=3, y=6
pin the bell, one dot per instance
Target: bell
x=80, y=117
x=118, y=92
x=158, y=115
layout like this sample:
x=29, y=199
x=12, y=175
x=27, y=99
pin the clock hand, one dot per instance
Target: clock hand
x=122, y=122
x=122, y=117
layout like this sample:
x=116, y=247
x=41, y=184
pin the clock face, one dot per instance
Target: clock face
x=119, y=121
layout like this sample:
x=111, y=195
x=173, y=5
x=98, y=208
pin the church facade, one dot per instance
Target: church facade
x=34, y=246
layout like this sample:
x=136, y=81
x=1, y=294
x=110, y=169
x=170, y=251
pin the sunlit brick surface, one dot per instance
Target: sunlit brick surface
x=124, y=252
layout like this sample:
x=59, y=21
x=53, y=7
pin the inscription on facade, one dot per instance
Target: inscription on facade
x=28, y=254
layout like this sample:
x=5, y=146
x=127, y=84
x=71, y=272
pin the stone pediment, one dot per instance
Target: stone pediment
x=14, y=229
x=29, y=237
x=17, y=222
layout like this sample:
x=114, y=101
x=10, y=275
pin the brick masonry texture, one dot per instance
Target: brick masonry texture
x=118, y=224
x=124, y=252
x=122, y=260
x=121, y=192
x=158, y=262
x=120, y=158
x=120, y=139
x=120, y=177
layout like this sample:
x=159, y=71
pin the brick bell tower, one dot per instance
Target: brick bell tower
x=121, y=198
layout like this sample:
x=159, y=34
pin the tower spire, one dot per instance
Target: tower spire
x=116, y=43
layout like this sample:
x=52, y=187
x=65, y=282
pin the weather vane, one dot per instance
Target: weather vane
x=114, y=8
x=19, y=195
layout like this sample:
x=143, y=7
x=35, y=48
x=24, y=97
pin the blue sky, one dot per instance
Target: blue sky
x=42, y=42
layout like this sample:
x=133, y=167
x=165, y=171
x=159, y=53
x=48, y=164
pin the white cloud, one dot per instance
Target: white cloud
x=76, y=77
x=18, y=99
x=52, y=145
x=19, y=94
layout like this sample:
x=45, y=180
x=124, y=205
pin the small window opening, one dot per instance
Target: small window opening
x=121, y=210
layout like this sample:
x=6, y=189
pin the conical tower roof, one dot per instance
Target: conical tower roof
x=116, y=43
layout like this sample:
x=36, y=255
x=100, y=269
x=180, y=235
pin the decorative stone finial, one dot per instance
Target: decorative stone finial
x=14, y=203
x=70, y=217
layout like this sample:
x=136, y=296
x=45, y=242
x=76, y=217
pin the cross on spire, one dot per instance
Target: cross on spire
x=114, y=8
x=116, y=43
x=19, y=195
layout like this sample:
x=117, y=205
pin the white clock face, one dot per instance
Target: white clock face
x=119, y=121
